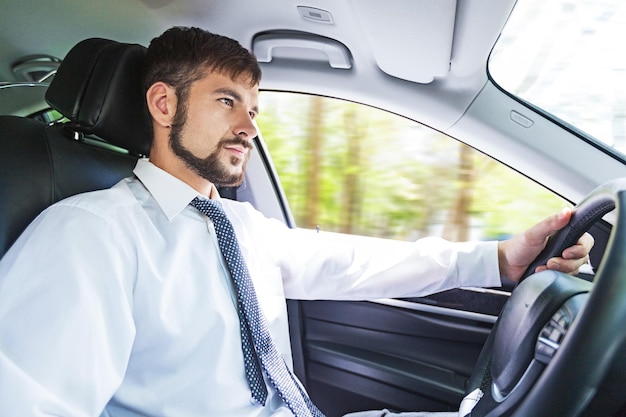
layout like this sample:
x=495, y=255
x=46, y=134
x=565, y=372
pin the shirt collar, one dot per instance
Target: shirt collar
x=170, y=193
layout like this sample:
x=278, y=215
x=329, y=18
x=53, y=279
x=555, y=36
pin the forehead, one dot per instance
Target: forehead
x=216, y=82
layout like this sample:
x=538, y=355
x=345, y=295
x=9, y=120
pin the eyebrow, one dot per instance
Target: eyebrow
x=235, y=95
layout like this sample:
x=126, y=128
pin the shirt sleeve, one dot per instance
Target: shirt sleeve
x=66, y=326
x=348, y=267
x=357, y=268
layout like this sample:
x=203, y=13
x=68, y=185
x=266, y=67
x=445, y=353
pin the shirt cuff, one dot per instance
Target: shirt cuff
x=477, y=264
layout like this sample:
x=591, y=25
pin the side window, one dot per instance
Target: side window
x=353, y=169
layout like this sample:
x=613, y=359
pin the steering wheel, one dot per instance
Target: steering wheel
x=558, y=335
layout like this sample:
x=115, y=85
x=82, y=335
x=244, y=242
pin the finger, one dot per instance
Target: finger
x=537, y=234
x=581, y=248
x=567, y=266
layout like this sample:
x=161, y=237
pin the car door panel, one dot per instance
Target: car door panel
x=399, y=354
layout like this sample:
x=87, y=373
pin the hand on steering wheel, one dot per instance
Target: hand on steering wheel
x=558, y=336
x=521, y=257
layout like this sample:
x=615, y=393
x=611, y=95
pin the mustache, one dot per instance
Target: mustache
x=237, y=141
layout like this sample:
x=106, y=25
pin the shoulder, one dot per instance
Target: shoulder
x=238, y=207
x=85, y=223
x=104, y=204
x=244, y=212
x=101, y=214
x=247, y=218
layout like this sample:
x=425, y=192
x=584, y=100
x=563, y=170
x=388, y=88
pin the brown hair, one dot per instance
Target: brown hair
x=183, y=55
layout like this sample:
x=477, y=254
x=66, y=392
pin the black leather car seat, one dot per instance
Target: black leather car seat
x=98, y=89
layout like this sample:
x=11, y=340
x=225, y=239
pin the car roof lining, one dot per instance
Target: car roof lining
x=449, y=103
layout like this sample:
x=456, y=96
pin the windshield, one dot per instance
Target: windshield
x=567, y=58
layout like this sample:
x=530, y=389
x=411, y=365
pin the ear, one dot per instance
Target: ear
x=161, y=100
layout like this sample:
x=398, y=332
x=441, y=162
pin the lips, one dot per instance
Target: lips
x=240, y=151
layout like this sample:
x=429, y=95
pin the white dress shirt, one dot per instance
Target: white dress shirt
x=118, y=302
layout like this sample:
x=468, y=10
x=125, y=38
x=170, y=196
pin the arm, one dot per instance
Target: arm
x=367, y=268
x=348, y=267
x=65, y=317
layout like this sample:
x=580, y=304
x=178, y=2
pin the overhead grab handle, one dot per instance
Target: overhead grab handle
x=301, y=46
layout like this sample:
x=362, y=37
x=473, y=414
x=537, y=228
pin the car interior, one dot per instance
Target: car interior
x=46, y=163
x=408, y=354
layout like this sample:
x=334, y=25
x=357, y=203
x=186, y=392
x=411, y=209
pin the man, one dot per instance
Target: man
x=133, y=310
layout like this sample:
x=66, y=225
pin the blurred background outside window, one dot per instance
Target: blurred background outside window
x=354, y=169
x=567, y=58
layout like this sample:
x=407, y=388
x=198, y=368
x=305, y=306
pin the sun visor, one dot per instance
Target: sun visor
x=410, y=39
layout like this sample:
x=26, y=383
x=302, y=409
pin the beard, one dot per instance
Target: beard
x=212, y=168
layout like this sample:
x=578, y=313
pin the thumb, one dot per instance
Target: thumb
x=538, y=234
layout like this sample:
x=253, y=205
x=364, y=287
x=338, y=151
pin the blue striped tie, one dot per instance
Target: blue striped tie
x=259, y=350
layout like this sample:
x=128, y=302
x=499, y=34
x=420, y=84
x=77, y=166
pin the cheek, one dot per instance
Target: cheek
x=201, y=137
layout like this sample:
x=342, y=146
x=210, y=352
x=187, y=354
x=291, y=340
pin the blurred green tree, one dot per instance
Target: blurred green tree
x=354, y=169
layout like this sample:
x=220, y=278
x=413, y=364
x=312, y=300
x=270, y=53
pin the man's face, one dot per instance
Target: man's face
x=211, y=132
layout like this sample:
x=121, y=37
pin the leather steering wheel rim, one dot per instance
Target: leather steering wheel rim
x=592, y=341
x=591, y=209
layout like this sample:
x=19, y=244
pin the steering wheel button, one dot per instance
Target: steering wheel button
x=555, y=335
x=547, y=331
x=544, y=352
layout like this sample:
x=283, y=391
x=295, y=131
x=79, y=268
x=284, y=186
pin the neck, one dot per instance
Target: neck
x=163, y=157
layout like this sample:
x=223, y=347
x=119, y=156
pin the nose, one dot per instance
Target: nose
x=246, y=127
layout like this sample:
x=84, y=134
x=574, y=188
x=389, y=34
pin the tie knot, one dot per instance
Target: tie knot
x=211, y=208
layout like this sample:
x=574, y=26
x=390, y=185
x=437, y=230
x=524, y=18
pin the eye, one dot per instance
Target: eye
x=252, y=115
x=228, y=101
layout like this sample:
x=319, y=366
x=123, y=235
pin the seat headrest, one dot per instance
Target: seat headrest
x=98, y=87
